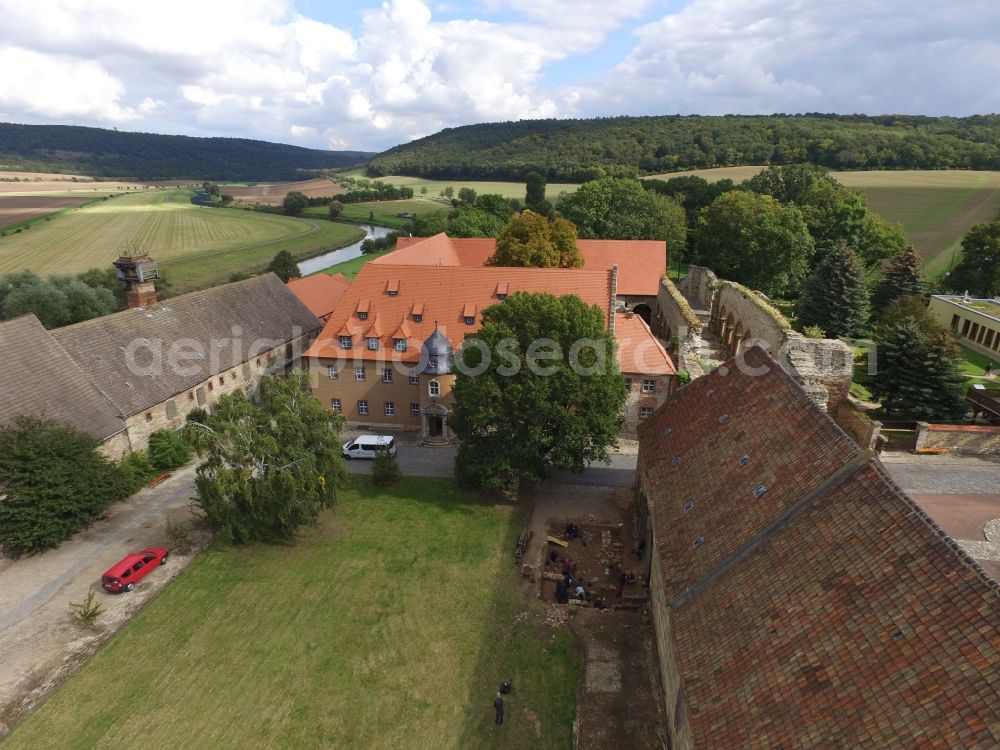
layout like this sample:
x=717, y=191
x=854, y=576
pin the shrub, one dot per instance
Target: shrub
x=813, y=332
x=139, y=468
x=87, y=611
x=57, y=483
x=178, y=537
x=168, y=450
x=385, y=470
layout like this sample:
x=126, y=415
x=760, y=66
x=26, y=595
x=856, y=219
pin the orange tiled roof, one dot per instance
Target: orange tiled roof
x=641, y=263
x=443, y=295
x=320, y=292
x=824, y=609
x=639, y=351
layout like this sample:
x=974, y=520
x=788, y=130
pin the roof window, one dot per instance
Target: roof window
x=744, y=460
x=760, y=490
x=689, y=506
x=698, y=541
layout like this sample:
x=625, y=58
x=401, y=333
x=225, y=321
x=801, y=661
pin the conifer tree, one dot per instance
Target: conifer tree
x=902, y=278
x=835, y=296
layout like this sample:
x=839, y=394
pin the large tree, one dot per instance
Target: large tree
x=284, y=266
x=270, y=466
x=534, y=190
x=294, y=203
x=979, y=270
x=753, y=239
x=55, y=481
x=55, y=301
x=532, y=240
x=902, y=278
x=535, y=406
x=693, y=193
x=835, y=297
x=918, y=366
x=620, y=209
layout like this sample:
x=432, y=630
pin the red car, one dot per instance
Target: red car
x=123, y=575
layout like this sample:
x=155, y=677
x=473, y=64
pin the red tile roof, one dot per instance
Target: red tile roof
x=641, y=263
x=639, y=351
x=320, y=292
x=828, y=610
x=444, y=296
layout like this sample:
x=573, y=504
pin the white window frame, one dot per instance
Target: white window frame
x=386, y=374
x=336, y=406
x=400, y=345
x=345, y=342
x=645, y=412
x=414, y=410
x=390, y=409
x=414, y=378
x=363, y=407
x=333, y=372
x=434, y=388
x=648, y=385
x=373, y=343
x=359, y=374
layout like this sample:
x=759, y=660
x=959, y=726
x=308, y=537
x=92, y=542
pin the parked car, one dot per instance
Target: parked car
x=369, y=446
x=124, y=574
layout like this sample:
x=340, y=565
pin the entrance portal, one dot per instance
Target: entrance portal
x=435, y=426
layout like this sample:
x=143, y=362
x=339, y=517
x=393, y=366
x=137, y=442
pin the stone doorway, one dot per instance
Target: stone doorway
x=435, y=425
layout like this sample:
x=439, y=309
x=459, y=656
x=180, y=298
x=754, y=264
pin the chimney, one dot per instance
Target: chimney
x=138, y=274
x=613, y=302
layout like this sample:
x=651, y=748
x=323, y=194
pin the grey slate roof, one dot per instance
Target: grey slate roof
x=38, y=378
x=224, y=324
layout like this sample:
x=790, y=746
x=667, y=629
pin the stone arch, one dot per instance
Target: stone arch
x=434, y=424
x=643, y=311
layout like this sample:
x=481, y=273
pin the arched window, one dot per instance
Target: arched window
x=434, y=388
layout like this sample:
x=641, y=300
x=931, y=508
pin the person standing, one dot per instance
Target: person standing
x=498, y=707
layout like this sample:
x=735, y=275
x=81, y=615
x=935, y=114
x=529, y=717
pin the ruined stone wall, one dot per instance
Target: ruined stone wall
x=740, y=313
x=677, y=324
x=700, y=285
x=977, y=440
x=857, y=424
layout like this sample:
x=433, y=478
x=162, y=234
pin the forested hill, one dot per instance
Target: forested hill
x=577, y=150
x=146, y=156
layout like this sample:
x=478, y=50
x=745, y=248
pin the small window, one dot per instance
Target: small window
x=414, y=378
x=744, y=460
x=628, y=385
x=258, y=358
x=190, y=395
x=335, y=406
x=469, y=320
x=676, y=460
x=710, y=392
x=362, y=316
x=211, y=386
x=387, y=375
x=723, y=418
x=432, y=362
x=645, y=412
x=149, y=416
x=363, y=408
x=668, y=430
x=222, y=380
x=689, y=506
x=414, y=410
x=501, y=296
x=418, y=318
x=373, y=343
x=359, y=374
x=393, y=292
x=390, y=409
x=333, y=372
x=400, y=345
x=434, y=388
x=345, y=343
x=760, y=490
x=648, y=385
x=698, y=541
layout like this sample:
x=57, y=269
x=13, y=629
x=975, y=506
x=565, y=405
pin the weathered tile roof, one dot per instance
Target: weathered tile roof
x=445, y=295
x=827, y=612
x=37, y=377
x=226, y=324
x=639, y=351
x=641, y=263
x=320, y=292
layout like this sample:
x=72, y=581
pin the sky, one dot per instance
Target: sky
x=367, y=75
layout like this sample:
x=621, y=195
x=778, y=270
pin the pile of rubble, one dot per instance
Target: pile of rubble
x=556, y=617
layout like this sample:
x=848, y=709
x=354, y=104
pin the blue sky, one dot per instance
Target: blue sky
x=360, y=74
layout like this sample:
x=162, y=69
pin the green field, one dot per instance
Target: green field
x=196, y=246
x=506, y=189
x=388, y=626
x=386, y=213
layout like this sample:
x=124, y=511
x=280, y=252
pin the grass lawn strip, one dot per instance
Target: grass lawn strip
x=389, y=626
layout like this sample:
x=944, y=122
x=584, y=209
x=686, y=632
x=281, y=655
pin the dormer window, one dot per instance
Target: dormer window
x=501, y=297
x=400, y=345
x=418, y=318
x=362, y=315
x=373, y=343
x=345, y=342
x=469, y=320
x=393, y=292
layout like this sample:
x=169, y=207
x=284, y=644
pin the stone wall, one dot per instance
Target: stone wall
x=700, y=285
x=115, y=447
x=639, y=396
x=858, y=425
x=677, y=324
x=977, y=440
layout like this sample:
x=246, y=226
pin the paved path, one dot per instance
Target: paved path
x=920, y=475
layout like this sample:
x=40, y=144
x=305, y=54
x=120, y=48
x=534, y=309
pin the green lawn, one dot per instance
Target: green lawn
x=386, y=213
x=351, y=268
x=387, y=626
x=196, y=246
x=506, y=189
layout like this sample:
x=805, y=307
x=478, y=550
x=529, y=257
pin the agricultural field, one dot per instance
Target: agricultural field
x=506, y=189
x=22, y=209
x=196, y=246
x=390, y=625
x=273, y=193
x=386, y=213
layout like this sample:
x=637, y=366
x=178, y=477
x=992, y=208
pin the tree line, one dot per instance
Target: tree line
x=582, y=150
x=148, y=156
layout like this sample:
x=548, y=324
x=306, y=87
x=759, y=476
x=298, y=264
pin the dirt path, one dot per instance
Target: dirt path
x=39, y=642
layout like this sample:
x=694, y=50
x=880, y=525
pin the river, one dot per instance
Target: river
x=312, y=265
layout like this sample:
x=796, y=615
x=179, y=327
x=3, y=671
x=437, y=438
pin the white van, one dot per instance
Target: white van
x=368, y=446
